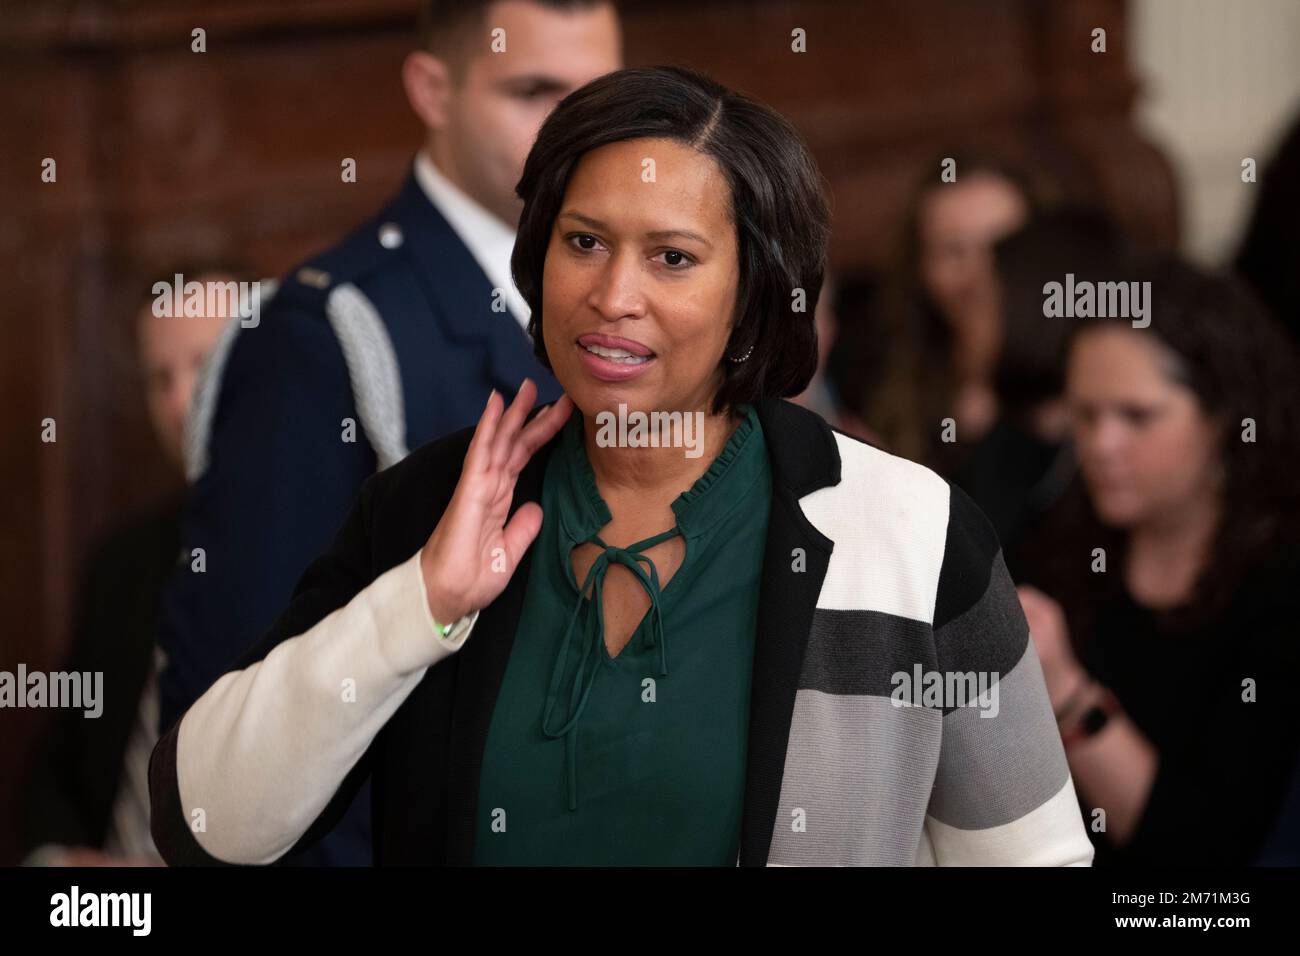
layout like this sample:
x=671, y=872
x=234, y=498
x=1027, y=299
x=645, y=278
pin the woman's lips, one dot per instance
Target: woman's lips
x=614, y=342
x=608, y=370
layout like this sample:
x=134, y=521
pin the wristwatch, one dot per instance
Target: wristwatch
x=1094, y=719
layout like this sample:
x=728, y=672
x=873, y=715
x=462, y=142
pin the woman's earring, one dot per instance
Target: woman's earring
x=743, y=357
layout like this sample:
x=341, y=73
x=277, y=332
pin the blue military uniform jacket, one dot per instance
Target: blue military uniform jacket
x=390, y=339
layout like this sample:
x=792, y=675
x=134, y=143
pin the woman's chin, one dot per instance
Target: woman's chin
x=594, y=394
x=1118, y=511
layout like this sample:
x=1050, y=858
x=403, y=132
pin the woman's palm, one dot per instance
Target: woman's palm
x=473, y=551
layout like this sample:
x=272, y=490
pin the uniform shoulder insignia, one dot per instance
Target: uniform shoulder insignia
x=306, y=286
x=365, y=251
x=316, y=278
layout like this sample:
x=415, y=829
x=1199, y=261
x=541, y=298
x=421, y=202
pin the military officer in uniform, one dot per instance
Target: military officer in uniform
x=392, y=338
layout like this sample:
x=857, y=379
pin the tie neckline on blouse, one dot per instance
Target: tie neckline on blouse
x=630, y=557
x=694, y=510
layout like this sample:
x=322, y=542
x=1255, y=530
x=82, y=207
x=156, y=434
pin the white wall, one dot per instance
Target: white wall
x=1221, y=82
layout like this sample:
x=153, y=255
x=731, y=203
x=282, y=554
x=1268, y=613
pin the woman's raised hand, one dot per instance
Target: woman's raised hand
x=472, y=552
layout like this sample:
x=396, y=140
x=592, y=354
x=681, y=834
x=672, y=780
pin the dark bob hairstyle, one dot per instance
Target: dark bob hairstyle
x=778, y=205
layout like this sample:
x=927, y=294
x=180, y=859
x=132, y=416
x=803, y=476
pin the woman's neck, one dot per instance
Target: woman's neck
x=1165, y=556
x=656, y=474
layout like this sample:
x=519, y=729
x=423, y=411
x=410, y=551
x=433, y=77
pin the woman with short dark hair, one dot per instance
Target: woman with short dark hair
x=671, y=618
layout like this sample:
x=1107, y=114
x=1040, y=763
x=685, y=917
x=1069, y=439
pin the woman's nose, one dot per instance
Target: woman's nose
x=616, y=291
x=1107, y=439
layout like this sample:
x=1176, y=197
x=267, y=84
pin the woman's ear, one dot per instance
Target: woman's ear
x=1222, y=428
x=428, y=86
x=1222, y=431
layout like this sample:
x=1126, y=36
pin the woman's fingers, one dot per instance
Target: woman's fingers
x=521, y=529
x=478, y=455
x=476, y=519
x=491, y=439
x=511, y=422
x=538, y=432
x=503, y=442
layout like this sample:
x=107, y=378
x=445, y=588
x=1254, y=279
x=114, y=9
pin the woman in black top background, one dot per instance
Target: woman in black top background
x=1020, y=468
x=1168, y=642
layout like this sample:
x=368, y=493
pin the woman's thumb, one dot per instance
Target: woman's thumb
x=521, y=529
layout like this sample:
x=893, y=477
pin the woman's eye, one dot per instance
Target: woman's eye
x=580, y=237
x=676, y=259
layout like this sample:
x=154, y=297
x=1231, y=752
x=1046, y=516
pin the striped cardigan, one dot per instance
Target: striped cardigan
x=880, y=580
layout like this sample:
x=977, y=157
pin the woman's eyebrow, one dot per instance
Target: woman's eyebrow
x=655, y=234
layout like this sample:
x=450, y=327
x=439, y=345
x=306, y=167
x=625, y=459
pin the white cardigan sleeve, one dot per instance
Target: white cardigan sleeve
x=259, y=756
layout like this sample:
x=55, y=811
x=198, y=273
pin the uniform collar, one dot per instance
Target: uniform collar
x=460, y=293
x=489, y=240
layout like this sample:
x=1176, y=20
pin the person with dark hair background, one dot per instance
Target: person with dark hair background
x=570, y=647
x=1163, y=600
x=937, y=317
x=1269, y=257
x=1024, y=463
x=855, y=362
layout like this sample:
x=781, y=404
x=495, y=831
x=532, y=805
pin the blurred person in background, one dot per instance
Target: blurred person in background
x=393, y=337
x=823, y=394
x=855, y=363
x=939, y=311
x=87, y=800
x=1171, y=667
x=1269, y=258
x=1024, y=462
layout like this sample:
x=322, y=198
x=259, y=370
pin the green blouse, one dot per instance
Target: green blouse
x=637, y=759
